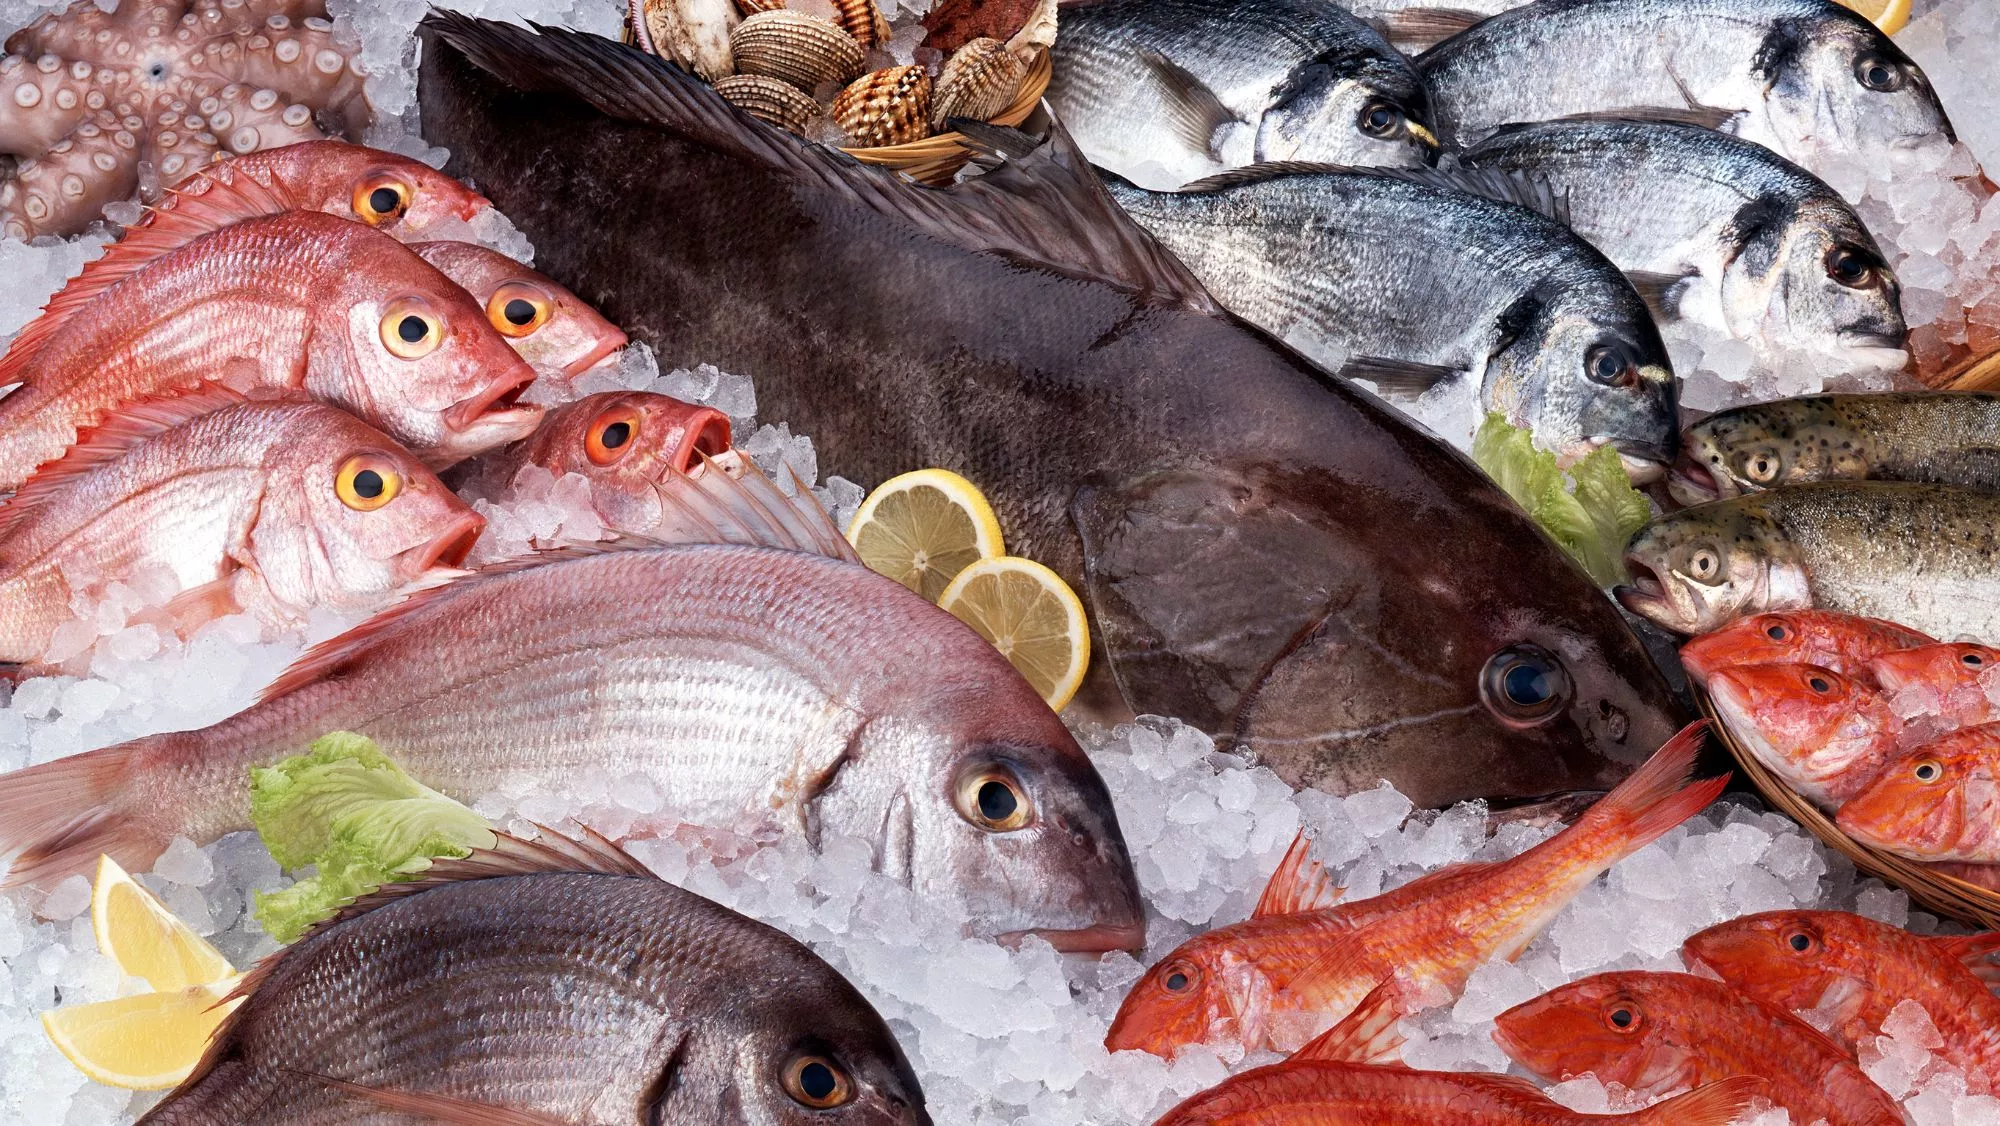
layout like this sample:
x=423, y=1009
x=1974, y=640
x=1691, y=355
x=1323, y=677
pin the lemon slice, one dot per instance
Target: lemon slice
x=147, y=940
x=1889, y=15
x=1031, y=616
x=146, y=1042
x=921, y=529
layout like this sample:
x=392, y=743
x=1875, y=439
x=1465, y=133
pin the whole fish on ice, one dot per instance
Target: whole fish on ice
x=1432, y=294
x=743, y=681
x=548, y=325
x=1810, y=79
x=272, y=506
x=1240, y=525
x=1944, y=438
x=406, y=199
x=549, y=984
x=1167, y=91
x=1845, y=643
x=1721, y=231
x=217, y=291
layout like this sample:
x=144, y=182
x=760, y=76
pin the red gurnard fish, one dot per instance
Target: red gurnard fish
x=1657, y=1033
x=398, y=196
x=1331, y=1082
x=1297, y=957
x=1854, y=970
x=296, y=299
x=548, y=325
x=1940, y=801
x=1841, y=642
x=1824, y=733
x=1946, y=683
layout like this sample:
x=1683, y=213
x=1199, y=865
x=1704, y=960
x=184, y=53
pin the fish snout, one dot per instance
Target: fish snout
x=451, y=546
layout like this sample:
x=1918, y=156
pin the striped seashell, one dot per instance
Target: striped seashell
x=752, y=7
x=978, y=81
x=888, y=107
x=769, y=100
x=793, y=47
x=863, y=20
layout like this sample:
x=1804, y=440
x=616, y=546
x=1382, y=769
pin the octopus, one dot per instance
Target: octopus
x=98, y=107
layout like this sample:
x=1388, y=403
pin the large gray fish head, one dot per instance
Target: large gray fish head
x=1764, y=445
x=1808, y=275
x=1836, y=84
x=1360, y=106
x=1006, y=817
x=1696, y=570
x=1583, y=366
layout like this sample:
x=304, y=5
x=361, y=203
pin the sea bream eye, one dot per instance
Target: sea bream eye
x=1879, y=74
x=1380, y=119
x=1775, y=633
x=382, y=198
x=517, y=309
x=410, y=329
x=993, y=799
x=1622, y=1019
x=1611, y=365
x=1852, y=268
x=817, y=1082
x=366, y=482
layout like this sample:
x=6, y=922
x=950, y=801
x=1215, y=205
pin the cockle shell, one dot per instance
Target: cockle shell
x=793, y=47
x=863, y=20
x=769, y=100
x=693, y=33
x=888, y=107
x=978, y=81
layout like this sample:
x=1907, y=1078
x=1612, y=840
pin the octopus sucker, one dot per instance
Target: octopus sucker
x=98, y=106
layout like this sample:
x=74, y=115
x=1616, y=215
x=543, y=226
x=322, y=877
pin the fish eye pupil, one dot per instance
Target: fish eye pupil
x=1527, y=685
x=412, y=329
x=1927, y=771
x=997, y=801
x=1775, y=633
x=1801, y=943
x=1621, y=1018
x=1176, y=981
x=368, y=484
x=616, y=435
x=519, y=311
x=817, y=1081
x=384, y=201
x=1972, y=659
x=1818, y=684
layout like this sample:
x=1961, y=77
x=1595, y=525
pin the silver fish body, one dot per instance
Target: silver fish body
x=1922, y=556
x=1928, y=436
x=1740, y=239
x=740, y=680
x=1811, y=79
x=1510, y=309
x=572, y=996
x=1168, y=91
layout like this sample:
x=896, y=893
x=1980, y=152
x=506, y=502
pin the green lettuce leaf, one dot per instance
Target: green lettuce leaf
x=347, y=809
x=1592, y=511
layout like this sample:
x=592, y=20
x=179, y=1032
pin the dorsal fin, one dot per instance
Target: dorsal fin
x=1366, y=1035
x=219, y=207
x=1299, y=884
x=1045, y=207
x=1258, y=173
x=112, y=438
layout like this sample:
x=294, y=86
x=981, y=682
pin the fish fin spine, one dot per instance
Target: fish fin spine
x=1399, y=380
x=1717, y=1104
x=448, y=1110
x=730, y=500
x=1195, y=110
x=1660, y=794
x=57, y=818
x=1366, y=1035
x=1501, y=185
x=1300, y=883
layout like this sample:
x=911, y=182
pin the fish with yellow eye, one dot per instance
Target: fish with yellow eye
x=270, y=505
x=221, y=290
x=626, y=442
x=1936, y=802
x=400, y=197
x=548, y=325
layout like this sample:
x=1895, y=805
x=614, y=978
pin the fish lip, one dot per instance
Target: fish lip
x=1102, y=938
x=497, y=401
x=1644, y=462
x=589, y=359
x=1866, y=338
x=453, y=544
x=1691, y=484
x=704, y=423
x=1645, y=592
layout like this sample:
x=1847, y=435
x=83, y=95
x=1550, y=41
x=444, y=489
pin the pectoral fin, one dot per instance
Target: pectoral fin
x=1657, y=290
x=1194, y=109
x=447, y=1109
x=1399, y=381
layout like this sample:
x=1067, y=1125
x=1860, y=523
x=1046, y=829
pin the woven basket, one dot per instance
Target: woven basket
x=1945, y=895
x=1976, y=375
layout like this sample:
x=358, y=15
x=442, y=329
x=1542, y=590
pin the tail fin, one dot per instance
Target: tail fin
x=58, y=817
x=1659, y=795
x=1717, y=1104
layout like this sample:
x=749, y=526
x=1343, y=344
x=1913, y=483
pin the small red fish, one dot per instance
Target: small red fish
x=1824, y=733
x=1940, y=801
x=1946, y=683
x=1299, y=957
x=548, y=325
x=400, y=197
x=1855, y=970
x=1656, y=1033
x=1841, y=642
x=1330, y=1082
x=296, y=299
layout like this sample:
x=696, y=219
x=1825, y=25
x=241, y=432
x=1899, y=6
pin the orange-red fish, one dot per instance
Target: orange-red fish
x=1330, y=1082
x=1841, y=642
x=394, y=194
x=1825, y=734
x=297, y=299
x=1946, y=683
x=273, y=506
x=1298, y=958
x=1940, y=801
x=1656, y=1033
x=1854, y=970
x=548, y=325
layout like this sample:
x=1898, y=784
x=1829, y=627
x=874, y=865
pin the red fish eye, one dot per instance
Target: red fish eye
x=1800, y=941
x=1819, y=684
x=1973, y=659
x=1179, y=978
x=1775, y=633
x=610, y=435
x=1928, y=771
x=1622, y=1018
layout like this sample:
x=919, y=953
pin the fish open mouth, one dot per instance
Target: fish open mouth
x=590, y=359
x=1691, y=483
x=1645, y=595
x=1100, y=939
x=451, y=547
x=705, y=436
x=499, y=399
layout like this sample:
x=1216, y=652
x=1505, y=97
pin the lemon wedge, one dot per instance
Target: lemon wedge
x=1889, y=15
x=1031, y=616
x=145, y=1042
x=146, y=940
x=923, y=528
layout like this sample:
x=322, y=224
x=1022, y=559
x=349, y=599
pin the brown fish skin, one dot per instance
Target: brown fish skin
x=1239, y=523
x=293, y=300
x=660, y=435
x=745, y=682
x=251, y=504
x=400, y=197
x=547, y=324
x=580, y=996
